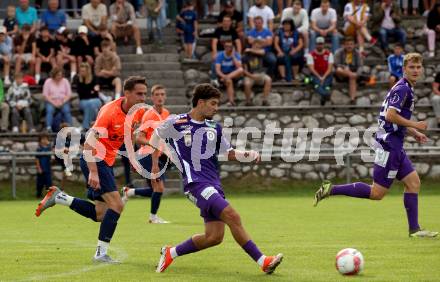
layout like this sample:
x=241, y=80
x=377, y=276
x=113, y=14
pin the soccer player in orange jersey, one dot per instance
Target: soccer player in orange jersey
x=100, y=148
x=152, y=162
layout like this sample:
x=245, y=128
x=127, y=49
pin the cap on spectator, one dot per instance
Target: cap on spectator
x=61, y=30
x=82, y=29
x=229, y=3
x=320, y=39
x=3, y=30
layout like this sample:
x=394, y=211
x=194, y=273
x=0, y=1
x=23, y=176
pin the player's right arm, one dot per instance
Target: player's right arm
x=394, y=117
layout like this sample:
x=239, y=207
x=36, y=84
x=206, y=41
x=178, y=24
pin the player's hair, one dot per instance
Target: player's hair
x=205, y=91
x=157, y=87
x=412, y=57
x=105, y=43
x=130, y=83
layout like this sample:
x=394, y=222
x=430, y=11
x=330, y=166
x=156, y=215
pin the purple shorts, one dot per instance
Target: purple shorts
x=210, y=199
x=390, y=164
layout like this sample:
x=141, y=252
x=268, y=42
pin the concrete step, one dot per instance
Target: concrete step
x=150, y=48
x=148, y=66
x=157, y=57
x=151, y=74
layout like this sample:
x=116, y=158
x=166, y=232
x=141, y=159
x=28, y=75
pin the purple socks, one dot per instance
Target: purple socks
x=411, y=202
x=355, y=190
x=252, y=250
x=186, y=247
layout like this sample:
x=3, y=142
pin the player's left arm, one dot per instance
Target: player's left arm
x=420, y=137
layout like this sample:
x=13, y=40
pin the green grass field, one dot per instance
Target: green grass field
x=59, y=245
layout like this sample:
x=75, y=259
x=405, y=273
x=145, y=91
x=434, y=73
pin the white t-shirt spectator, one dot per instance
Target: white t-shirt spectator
x=359, y=12
x=94, y=15
x=323, y=21
x=301, y=19
x=266, y=13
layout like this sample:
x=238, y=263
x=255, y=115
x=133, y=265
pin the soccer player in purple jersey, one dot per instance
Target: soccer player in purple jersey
x=195, y=141
x=391, y=160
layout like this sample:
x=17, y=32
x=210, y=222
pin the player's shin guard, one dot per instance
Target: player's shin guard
x=186, y=247
x=411, y=203
x=252, y=250
x=355, y=190
x=108, y=225
x=143, y=192
x=84, y=208
x=155, y=202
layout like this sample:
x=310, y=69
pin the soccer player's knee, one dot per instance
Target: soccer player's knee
x=377, y=195
x=215, y=239
x=233, y=217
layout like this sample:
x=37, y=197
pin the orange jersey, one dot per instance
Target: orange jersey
x=111, y=118
x=150, y=121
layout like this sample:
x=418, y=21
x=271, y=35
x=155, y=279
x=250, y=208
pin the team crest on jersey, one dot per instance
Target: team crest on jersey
x=211, y=134
x=395, y=99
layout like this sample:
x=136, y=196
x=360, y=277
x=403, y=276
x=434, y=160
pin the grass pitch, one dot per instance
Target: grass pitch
x=59, y=245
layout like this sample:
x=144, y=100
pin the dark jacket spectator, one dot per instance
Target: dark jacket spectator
x=433, y=25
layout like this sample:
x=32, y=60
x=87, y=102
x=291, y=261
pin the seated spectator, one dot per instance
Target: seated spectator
x=4, y=110
x=44, y=169
x=187, y=25
x=289, y=46
x=348, y=62
x=26, y=15
x=153, y=8
x=53, y=18
x=84, y=47
x=320, y=62
x=5, y=53
x=266, y=37
x=19, y=100
x=436, y=98
x=57, y=93
x=433, y=28
x=124, y=23
x=236, y=17
x=356, y=14
x=395, y=64
x=229, y=69
x=385, y=20
x=25, y=49
x=104, y=33
x=300, y=18
x=88, y=90
x=260, y=9
x=221, y=35
x=323, y=22
x=94, y=15
x=64, y=49
x=10, y=22
x=255, y=73
x=108, y=69
x=46, y=57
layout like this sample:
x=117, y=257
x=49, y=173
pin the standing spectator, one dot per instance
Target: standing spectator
x=229, y=69
x=19, y=100
x=320, y=62
x=108, y=69
x=236, y=17
x=433, y=27
x=300, y=18
x=44, y=170
x=428, y=5
x=153, y=8
x=25, y=49
x=323, y=23
x=57, y=93
x=385, y=20
x=88, y=90
x=436, y=98
x=187, y=22
x=124, y=23
x=5, y=53
x=64, y=50
x=356, y=14
x=84, y=47
x=4, y=110
x=348, y=62
x=104, y=33
x=395, y=64
x=46, y=56
x=26, y=15
x=289, y=47
x=260, y=9
x=415, y=7
x=265, y=37
x=10, y=22
x=53, y=18
x=255, y=74
x=94, y=15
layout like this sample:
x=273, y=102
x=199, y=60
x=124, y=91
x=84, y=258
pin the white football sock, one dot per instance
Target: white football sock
x=101, y=249
x=261, y=260
x=173, y=253
x=153, y=216
x=63, y=199
x=130, y=193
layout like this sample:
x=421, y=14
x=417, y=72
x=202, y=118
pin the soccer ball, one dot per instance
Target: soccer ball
x=349, y=262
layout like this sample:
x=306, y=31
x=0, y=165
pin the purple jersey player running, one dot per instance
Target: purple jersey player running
x=195, y=141
x=391, y=160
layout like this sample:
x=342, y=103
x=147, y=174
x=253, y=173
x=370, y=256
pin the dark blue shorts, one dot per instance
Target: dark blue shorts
x=147, y=164
x=44, y=180
x=106, y=180
x=188, y=37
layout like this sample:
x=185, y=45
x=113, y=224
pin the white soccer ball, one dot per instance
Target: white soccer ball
x=349, y=262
